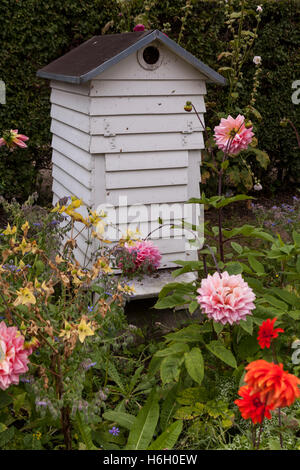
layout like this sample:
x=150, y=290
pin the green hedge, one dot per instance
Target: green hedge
x=33, y=33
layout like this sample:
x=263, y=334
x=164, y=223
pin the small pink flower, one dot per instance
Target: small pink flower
x=12, y=139
x=226, y=298
x=235, y=131
x=144, y=254
x=139, y=27
x=13, y=356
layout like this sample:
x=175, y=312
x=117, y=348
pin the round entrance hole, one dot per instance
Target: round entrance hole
x=151, y=55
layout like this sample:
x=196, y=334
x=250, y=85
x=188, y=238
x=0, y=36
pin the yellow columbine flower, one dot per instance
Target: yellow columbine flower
x=9, y=230
x=84, y=330
x=25, y=297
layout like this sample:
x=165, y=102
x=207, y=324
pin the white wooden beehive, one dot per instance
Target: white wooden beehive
x=121, y=135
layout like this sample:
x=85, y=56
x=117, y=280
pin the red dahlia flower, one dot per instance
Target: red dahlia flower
x=267, y=332
x=251, y=406
x=276, y=388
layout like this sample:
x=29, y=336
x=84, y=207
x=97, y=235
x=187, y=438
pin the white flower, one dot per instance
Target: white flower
x=257, y=60
x=257, y=187
x=259, y=8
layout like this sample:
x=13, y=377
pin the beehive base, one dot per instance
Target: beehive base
x=151, y=285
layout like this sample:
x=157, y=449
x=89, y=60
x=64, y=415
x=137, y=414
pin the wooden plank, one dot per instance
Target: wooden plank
x=144, y=124
x=71, y=168
x=136, y=212
x=161, y=194
x=146, y=160
x=71, y=186
x=194, y=173
x=172, y=68
x=82, y=89
x=70, y=134
x=72, y=118
x=146, y=178
x=127, y=105
x=146, y=142
x=70, y=100
x=76, y=154
x=99, y=181
x=146, y=87
x=152, y=226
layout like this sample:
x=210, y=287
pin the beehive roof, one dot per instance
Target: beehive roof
x=101, y=52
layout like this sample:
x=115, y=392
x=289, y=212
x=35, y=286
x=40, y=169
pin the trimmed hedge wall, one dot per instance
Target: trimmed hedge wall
x=34, y=33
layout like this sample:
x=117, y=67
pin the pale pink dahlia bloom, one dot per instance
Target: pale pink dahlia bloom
x=233, y=129
x=13, y=356
x=225, y=298
x=144, y=253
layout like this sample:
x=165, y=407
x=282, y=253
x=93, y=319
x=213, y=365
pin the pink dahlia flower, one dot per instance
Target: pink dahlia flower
x=144, y=254
x=225, y=298
x=13, y=356
x=236, y=130
x=12, y=139
x=139, y=27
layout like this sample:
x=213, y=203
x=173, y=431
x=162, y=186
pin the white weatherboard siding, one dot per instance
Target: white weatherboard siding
x=124, y=138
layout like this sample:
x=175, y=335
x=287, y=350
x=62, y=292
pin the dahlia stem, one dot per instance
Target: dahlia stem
x=279, y=411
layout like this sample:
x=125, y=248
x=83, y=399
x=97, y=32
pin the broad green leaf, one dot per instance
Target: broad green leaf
x=170, y=369
x=237, y=247
x=190, y=334
x=193, y=306
x=218, y=327
x=168, y=438
x=175, y=348
x=144, y=426
x=219, y=350
x=168, y=407
x=194, y=364
x=234, y=268
x=275, y=302
x=125, y=420
x=247, y=324
x=256, y=265
x=296, y=238
x=191, y=396
x=287, y=296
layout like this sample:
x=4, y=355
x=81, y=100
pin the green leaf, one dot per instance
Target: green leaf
x=168, y=438
x=193, y=306
x=85, y=432
x=275, y=302
x=219, y=350
x=195, y=365
x=144, y=426
x=190, y=334
x=170, y=369
x=287, y=296
x=5, y=399
x=125, y=420
x=168, y=407
x=234, y=268
x=296, y=238
x=247, y=324
x=175, y=348
x=114, y=375
x=237, y=247
x=256, y=265
x=218, y=327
